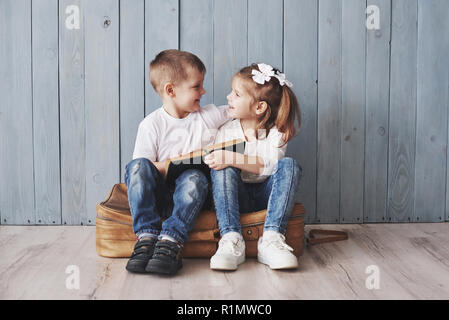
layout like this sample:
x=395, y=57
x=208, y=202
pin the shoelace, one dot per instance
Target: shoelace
x=229, y=246
x=279, y=242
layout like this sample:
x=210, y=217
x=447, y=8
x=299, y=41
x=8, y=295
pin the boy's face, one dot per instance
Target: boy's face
x=188, y=93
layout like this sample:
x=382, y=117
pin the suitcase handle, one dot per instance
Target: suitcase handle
x=332, y=235
x=205, y=235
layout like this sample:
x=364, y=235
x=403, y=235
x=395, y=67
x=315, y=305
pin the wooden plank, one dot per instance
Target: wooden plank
x=161, y=33
x=265, y=32
x=353, y=74
x=329, y=111
x=401, y=163
x=377, y=106
x=230, y=44
x=432, y=104
x=301, y=68
x=196, y=27
x=46, y=112
x=102, y=102
x=72, y=114
x=132, y=76
x=16, y=114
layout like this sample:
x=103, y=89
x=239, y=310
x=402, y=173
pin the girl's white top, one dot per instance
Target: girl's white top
x=266, y=147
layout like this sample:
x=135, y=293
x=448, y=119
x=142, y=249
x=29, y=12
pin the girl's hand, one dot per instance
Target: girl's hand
x=219, y=159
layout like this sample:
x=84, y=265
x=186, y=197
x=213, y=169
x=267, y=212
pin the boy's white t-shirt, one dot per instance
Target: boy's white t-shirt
x=269, y=148
x=161, y=136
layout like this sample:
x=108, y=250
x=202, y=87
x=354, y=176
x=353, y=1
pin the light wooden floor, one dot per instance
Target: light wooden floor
x=412, y=259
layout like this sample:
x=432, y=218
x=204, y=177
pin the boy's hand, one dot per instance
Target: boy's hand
x=220, y=159
x=161, y=167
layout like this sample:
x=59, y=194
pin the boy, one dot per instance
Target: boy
x=178, y=127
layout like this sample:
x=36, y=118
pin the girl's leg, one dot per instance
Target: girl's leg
x=279, y=190
x=230, y=198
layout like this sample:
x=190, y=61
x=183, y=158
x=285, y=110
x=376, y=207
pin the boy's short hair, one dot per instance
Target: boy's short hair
x=170, y=66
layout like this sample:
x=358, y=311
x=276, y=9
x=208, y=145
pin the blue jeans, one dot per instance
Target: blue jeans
x=276, y=194
x=150, y=200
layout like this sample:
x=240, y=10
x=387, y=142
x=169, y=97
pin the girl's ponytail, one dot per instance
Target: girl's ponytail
x=288, y=111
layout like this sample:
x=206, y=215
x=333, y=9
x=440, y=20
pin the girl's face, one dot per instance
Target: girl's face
x=241, y=103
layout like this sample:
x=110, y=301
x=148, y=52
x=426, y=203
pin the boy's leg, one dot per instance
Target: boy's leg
x=189, y=196
x=191, y=189
x=147, y=195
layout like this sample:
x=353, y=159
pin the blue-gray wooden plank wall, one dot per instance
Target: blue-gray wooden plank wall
x=373, y=144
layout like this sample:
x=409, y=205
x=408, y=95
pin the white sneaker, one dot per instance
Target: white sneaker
x=274, y=252
x=230, y=252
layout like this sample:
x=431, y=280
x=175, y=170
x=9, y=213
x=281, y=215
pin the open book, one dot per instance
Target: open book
x=174, y=167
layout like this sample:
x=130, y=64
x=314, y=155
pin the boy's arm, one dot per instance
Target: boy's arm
x=215, y=116
x=161, y=167
x=224, y=114
x=146, y=145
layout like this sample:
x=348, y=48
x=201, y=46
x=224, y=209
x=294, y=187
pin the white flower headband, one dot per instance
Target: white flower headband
x=265, y=74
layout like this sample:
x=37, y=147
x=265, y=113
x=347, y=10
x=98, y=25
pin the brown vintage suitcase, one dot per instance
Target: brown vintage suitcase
x=115, y=237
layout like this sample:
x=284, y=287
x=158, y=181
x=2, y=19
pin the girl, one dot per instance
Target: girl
x=264, y=109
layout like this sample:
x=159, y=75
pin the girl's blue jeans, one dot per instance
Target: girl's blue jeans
x=150, y=200
x=276, y=194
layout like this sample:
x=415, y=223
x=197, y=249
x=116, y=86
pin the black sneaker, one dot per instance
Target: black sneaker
x=166, y=258
x=143, y=251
